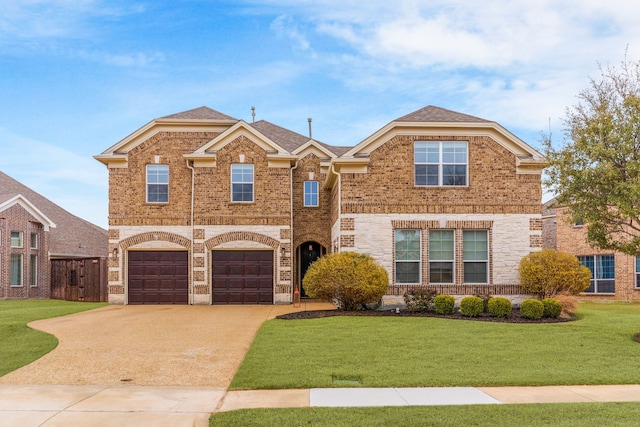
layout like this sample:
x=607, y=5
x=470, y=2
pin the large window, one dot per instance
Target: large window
x=311, y=193
x=241, y=183
x=602, y=273
x=407, y=256
x=476, y=256
x=16, y=269
x=33, y=276
x=157, y=183
x=440, y=163
x=441, y=256
x=16, y=239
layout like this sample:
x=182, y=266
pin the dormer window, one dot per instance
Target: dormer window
x=440, y=163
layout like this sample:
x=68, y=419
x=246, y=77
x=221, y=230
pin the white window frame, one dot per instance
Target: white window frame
x=452, y=260
x=33, y=241
x=243, y=181
x=311, y=189
x=407, y=261
x=420, y=160
x=595, y=279
x=17, y=285
x=33, y=271
x=485, y=261
x=20, y=238
x=154, y=179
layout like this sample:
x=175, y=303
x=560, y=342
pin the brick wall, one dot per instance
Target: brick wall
x=16, y=218
x=573, y=239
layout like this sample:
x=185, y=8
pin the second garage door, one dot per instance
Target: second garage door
x=242, y=277
x=158, y=277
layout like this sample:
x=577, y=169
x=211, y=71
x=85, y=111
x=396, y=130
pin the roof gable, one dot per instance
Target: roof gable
x=20, y=200
x=431, y=113
x=200, y=113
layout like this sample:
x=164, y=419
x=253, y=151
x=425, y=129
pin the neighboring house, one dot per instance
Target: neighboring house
x=615, y=276
x=208, y=209
x=34, y=233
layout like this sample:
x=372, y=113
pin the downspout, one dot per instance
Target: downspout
x=293, y=280
x=191, y=290
x=339, y=219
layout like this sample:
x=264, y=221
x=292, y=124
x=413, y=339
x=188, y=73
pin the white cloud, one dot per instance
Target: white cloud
x=285, y=26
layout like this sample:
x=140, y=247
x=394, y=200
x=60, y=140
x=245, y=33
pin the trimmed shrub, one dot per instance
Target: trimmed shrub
x=347, y=279
x=499, y=307
x=444, y=304
x=552, y=307
x=419, y=299
x=471, y=306
x=531, y=309
x=548, y=273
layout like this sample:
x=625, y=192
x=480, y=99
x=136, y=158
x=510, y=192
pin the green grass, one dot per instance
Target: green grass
x=408, y=352
x=560, y=415
x=21, y=345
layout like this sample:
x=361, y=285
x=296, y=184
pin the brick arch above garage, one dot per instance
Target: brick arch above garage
x=241, y=235
x=155, y=236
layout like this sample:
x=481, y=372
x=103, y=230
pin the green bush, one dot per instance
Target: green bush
x=419, y=299
x=531, y=309
x=347, y=279
x=444, y=304
x=547, y=273
x=499, y=307
x=552, y=307
x=471, y=306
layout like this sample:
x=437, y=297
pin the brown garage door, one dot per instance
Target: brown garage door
x=158, y=277
x=242, y=277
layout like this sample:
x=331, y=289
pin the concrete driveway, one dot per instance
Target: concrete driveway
x=148, y=345
x=134, y=365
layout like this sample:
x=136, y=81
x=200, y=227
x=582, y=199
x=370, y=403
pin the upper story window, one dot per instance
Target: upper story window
x=241, y=182
x=475, y=256
x=16, y=239
x=311, y=193
x=602, y=273
x=440, y=163
x=34, y=241
x=407, y=256
x=157, y=183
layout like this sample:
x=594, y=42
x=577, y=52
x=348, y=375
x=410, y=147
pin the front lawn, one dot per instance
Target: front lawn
x=556, y=415
x=411, y=352
x=21, y=345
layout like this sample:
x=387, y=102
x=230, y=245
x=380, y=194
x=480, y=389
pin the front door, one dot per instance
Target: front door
x=308, y=252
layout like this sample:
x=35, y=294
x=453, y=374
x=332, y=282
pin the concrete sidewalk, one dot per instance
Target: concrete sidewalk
x=132, y=405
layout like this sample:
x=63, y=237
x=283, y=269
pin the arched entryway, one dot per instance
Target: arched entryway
x=307, y=253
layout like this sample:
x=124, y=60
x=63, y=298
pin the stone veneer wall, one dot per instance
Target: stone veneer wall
x=573, y=239
x=206, y=238
x=511, y=238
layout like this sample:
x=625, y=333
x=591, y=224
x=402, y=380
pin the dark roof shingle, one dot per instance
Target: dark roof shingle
x=432, y=113
x=200, y=113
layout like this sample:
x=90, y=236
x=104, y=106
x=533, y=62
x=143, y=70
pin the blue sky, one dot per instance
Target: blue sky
x=77, y=76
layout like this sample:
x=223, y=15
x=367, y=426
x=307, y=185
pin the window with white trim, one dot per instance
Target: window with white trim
x=311, y=193
x=637, y=271
x=157, y=183
x=16, y=270
x=475, y=256
x=408, y=250
x=241, y=182
x=440, y=163
x=34, y=241
x=16, y=239
x=602, y=273
x=33, y=270
x=441, y=256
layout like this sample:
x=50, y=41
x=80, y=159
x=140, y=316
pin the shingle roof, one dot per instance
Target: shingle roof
x=200, y=113
x=72, y=235
x=288, y=139
x=432, y=113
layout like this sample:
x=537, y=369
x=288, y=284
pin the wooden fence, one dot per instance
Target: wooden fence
x=83, y=279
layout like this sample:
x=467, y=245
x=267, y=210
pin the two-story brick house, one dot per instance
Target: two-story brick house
x=33, y=233
x=208, y=209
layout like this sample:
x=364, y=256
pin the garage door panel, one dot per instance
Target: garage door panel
x=158, y=277
x=242, y=277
